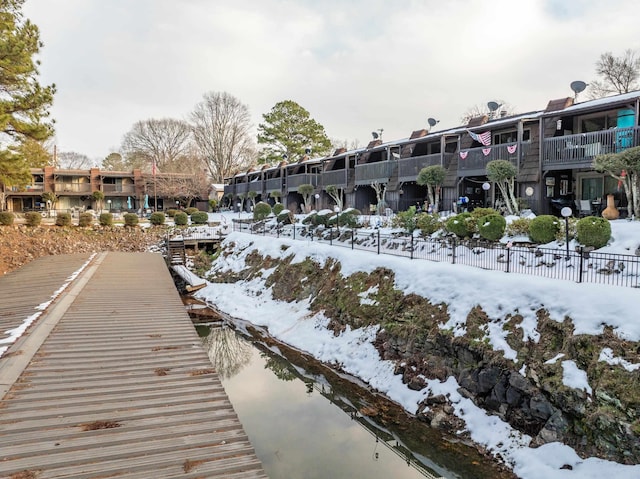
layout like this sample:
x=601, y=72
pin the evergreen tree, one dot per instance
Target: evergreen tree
x=24, y=102
x=288, y=131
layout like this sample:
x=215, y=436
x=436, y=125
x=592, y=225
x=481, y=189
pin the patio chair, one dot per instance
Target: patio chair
x=583, y=208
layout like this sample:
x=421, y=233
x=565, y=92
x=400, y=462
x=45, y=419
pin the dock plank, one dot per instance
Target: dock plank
x=122, y=387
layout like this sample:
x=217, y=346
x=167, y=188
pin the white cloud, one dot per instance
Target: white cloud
x=355, y=66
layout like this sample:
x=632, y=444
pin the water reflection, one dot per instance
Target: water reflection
x=227, y=352
x=295, y=427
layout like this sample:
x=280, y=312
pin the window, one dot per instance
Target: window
x=598, y=122
x=510, y=137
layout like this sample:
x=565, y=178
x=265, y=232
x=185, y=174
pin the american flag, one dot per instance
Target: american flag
x=482, y=138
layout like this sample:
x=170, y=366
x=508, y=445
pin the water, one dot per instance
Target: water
x=304, y=427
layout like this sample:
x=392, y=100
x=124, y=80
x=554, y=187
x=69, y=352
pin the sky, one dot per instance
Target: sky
x=357, y=66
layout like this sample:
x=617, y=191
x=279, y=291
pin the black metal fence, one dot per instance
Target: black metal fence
x=580, y=265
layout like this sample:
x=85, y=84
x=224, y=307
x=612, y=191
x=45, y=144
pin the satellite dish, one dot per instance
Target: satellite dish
x=285, y=156
x=578, y=86
x=432, y=122
x=307, y=151
x=493, y=106
x=374, y=135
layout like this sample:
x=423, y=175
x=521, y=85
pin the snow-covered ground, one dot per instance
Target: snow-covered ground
x=457, y=286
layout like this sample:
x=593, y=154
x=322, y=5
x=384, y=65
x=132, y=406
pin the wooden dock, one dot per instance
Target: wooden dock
x=112, y=381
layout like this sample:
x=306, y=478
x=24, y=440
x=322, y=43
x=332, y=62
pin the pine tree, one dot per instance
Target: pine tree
x=289, y=130
x=24, y=103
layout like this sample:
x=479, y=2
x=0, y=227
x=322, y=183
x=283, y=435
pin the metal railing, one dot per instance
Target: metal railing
x=336, y=178
x=118, y=188
x=72, y=187
x=580, y=265
x=476, y=159
x=293, y=181
x=408, y=168
x=580, y=149
x=371, y=172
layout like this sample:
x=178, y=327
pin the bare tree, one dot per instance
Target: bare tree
x=181, y=187
x=164, y=141
x=221, y=128
x=617, y=74
x=70, y=160
x=381, y=191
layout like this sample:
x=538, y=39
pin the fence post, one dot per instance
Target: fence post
x=581, y=263
x=330, y=235
x=352, y=240
x=378, y=241
x=508, y=259
x=411, y=257
x=294, y=231
x=453, y=251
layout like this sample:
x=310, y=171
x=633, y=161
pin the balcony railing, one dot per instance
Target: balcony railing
x=337, y=178
x=229, y=190
x=293, y=181
x=579, y=150
x=408, y=168
x=32, y=188
x=242, y=188
x=374, y=172
x=118, y=188
x=72, y=187
x=476, y=159
x=273, y=184
x=256, y=186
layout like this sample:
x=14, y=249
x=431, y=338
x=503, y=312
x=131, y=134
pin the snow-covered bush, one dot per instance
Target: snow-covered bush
x=180, y=218
x=491, y=227
x=428, y=223
x=459, y=225
x=543, y=229
x=593, y=231
x=277, y=208
x=519, y=227
x=261, y=211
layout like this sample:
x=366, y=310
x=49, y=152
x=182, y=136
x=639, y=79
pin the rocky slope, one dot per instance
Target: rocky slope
x=20, y=244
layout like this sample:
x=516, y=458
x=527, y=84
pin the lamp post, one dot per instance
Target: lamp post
x=337, y=211
x=109, y=203
x=566, y=212
x=239, y=209
x=486, y=187
x=317, y=197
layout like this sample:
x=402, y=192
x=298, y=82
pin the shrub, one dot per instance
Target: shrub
x=476, y=214
x=6, y=218
x=593, y=231
x=311, y=219
x=33, y=218
x=348, y=218
x=191, y=210
x=181, y=218
x=199, y=217
x=519, y=227
x=85, y=219
x=543, y=229
x=285, y=217
x=277, y=208
x=322, y=217
x=106, y=219
x=261, y=211
x=130, y=219
x=407, y=220
x=157, y=218
x=63, y=219
x=459, y=225
x=492, y=226
x=171, y=212
x=428, y=223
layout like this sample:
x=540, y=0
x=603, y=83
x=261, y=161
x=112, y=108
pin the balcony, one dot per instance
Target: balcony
x=229, y=190
x=476, y=159
x=379, y=172
x=293, y=181
x=408, y=168
x=337, y=178
x=578, y=151
x=273, y=184
x=242, y=188
x=111, y=189
x=71, y=188
x=256, y=185
x=34, y=188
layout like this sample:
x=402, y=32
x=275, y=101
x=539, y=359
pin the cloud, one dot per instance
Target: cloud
x=355, y=66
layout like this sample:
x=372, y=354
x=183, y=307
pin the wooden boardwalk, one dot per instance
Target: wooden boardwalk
x=112, y=381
